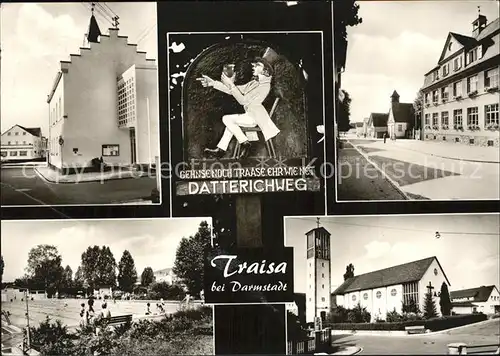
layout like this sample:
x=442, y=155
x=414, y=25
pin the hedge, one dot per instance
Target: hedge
x=435, y=324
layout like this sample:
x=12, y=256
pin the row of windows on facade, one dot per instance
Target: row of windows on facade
x=471, y=56
x=17, y=143
x=126, y=102
x=16, y=133
x=490, y=82
x=56, y=113
x=490, y=118
x=15, y=153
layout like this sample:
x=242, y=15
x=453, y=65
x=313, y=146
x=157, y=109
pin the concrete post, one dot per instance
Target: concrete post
x=457, y=348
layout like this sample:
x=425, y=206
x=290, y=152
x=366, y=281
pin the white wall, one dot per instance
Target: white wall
x=91, y=98
x=310, y=292
x=56, y=121
x=323, y=286
x=462, y=310
x=147, y=136
x=436, y=280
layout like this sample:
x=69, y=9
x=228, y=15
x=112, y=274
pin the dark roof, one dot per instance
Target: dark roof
x=403, y=112
x=35, y=131
x=480, y=294
x=464, y=304
x=489, y=30
x=395, y=94
x=405, y=273
x=358, y=124
x=94, y=30
x=316, y=228
x=465, y=41
x=378, y=119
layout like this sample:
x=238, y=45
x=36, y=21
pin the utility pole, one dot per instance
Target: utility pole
x=26, y=338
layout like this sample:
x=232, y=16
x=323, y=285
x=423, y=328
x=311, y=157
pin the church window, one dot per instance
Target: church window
x=322, y=264
x=435, y=271
x=323, y=299
x=379, y=294
x=322, y=275
x=323, y=286
x=393, y=292
x=410, y=293
x=365, y=296
x=353, y=298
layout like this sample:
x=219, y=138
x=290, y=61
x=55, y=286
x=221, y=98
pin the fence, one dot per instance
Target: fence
x=320, y=342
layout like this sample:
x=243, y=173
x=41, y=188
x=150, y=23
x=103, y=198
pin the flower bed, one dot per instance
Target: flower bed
x=435, y=324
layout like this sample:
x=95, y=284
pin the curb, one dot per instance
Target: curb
x=404, y=334
x=452, y=158
x=389, y=179
x=83, y=181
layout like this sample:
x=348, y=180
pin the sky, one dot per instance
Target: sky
x=36, y=36
x=397, y=43
x=151, y=242
x=469, y=259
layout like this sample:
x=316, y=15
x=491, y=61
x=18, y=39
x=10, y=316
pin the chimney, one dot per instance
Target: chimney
x=478, y=25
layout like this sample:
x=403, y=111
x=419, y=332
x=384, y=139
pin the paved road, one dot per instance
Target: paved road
x=434, y=344
x=27, y=188
x=360, y=180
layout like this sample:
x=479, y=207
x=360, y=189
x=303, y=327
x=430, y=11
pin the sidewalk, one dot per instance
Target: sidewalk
x=447, y=150
x=53, y=176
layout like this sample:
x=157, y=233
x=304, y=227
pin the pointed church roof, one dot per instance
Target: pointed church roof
x=94, y=30
x=395, y=94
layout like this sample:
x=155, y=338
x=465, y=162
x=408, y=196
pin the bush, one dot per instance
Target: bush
x=52, y=338
x=337, y=315
x=435, y=324
x=393, y=317
x=358, y=314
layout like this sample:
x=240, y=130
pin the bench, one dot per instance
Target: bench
x=420, y=329
x=118, y=320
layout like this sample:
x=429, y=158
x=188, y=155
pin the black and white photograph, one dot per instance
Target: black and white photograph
x=417, y=114
x=80, y=111
x=395, y=284
x=249, y=118
x=105, y=287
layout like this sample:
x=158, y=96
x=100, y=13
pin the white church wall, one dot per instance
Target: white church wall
x=488, y=307
x=366, y=300
x=310, y=294
x=379, y=303
x=394, y=298
x=436, y=281
x=322, y=286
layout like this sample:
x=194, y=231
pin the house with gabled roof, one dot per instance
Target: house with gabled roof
x=377, y=125
x=21, y=143
x=461, y=99
x=484, y=299
x=401, y=119
x=103, y=104
x=390, y=288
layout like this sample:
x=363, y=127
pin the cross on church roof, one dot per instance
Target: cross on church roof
x=430, y=287
x=317, y=222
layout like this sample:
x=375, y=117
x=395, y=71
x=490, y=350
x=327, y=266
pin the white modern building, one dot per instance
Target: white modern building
x=389, y=289
x=461, y=93
x=104, y=104
x=165, y=275
x=318, y=274
x=484, y=299
x=21, y=143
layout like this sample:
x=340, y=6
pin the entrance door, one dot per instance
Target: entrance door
x=133, y=155
x=323, y=315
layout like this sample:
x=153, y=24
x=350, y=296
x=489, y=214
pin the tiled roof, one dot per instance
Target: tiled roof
x=480, y=294
x=403, y=112
x=405, y=273
x=489, y=29
x=35, y=131
x=378, y=119
x=165, y=271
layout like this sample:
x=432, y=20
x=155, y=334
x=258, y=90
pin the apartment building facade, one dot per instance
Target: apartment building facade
x=460, y=93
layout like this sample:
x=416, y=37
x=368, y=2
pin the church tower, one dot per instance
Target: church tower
x=395, y=97
x=318, y=274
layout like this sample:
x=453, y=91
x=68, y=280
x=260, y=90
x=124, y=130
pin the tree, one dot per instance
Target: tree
x=418, y=104
x=349, y=272
x=189, y=259
x=411, y=307
x=444, y=300
x=44, y=268
x=430, y=310
x=344, y=112
x=79, y=278
x=147, y=277
x=1, y=267
x=99, y=267
x=127, y=274
x=67, y=279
